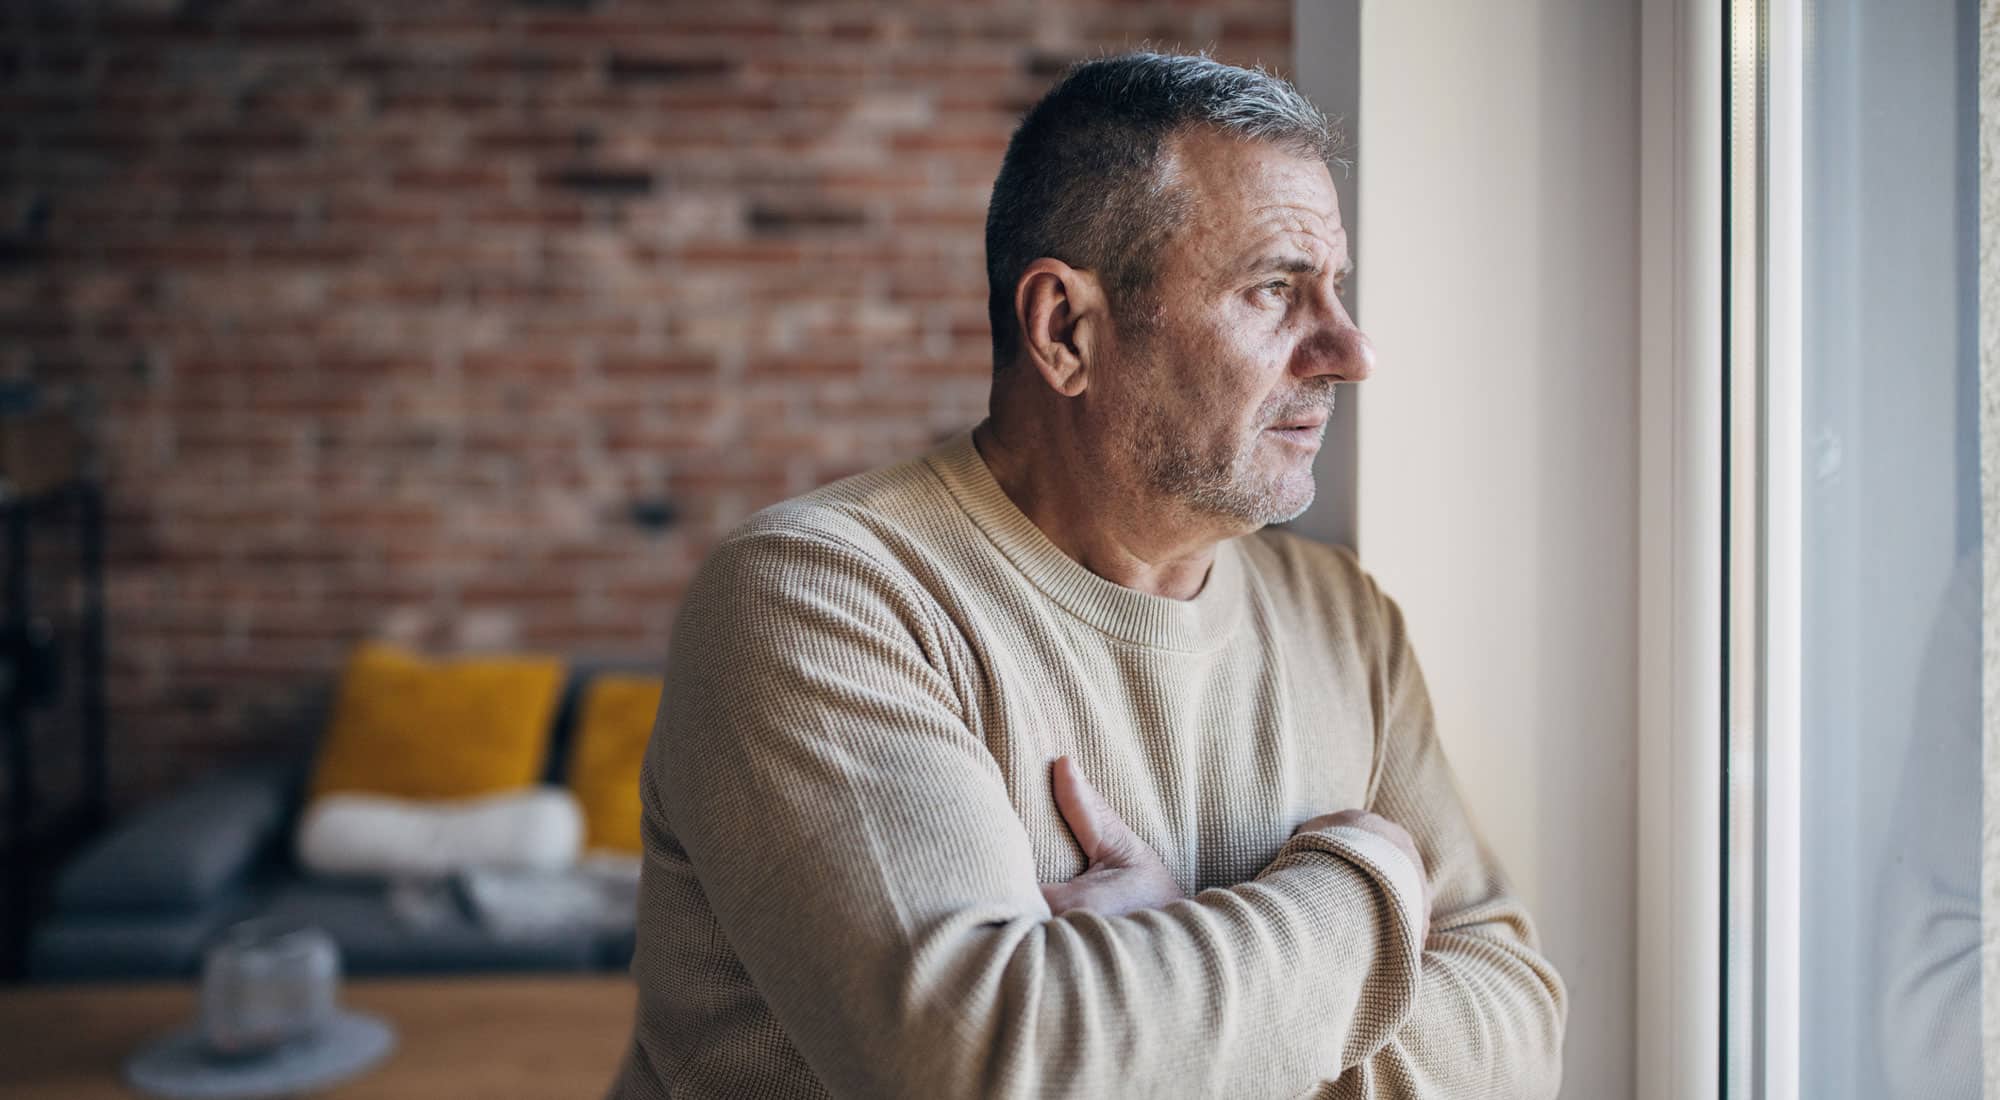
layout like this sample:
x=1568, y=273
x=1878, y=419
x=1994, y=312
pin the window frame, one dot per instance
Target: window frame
x=1680, y=952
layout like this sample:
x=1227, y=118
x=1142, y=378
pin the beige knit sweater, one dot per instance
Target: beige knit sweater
x=848, y=811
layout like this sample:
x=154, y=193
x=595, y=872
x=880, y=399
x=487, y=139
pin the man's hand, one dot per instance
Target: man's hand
x=1124, y=873
x=1387, y=830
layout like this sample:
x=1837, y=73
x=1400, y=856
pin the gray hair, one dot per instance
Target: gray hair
x=1085, y=182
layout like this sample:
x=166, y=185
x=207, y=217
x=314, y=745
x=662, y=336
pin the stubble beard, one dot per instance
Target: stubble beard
x=1224, y=480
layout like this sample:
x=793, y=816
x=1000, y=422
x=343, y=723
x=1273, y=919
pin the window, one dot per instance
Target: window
x=1852, y=560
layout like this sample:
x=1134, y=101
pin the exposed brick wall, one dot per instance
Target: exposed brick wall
x=412, y=319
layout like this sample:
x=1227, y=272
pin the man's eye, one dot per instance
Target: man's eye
x=1276, y=287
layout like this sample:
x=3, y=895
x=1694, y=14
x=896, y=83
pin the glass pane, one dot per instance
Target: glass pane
x=1891, y=768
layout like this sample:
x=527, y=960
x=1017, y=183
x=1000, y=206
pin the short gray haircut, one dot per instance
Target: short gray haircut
x=1085, y=180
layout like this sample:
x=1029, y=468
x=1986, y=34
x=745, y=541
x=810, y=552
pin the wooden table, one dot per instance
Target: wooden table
x=455, y=1037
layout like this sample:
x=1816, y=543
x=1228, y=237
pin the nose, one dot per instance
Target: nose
x=1334, y=346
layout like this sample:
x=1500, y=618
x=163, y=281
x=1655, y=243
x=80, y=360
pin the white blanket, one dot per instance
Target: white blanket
x=538, y=829
x=599, y=894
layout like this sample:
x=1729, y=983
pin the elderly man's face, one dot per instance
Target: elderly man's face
x=1223, y=375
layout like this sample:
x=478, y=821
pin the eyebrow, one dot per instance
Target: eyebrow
x=1291, y=263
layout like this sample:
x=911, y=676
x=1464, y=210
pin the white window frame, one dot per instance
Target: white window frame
x=1721, y=512
x=1681, y=570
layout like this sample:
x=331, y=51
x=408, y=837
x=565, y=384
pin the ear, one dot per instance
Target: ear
x=1060, y=309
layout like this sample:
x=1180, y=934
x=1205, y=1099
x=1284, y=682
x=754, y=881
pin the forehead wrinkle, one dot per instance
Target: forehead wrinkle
x=1296, y=216
x=1272, y=248
x=1232, y=199
x=1281, y=218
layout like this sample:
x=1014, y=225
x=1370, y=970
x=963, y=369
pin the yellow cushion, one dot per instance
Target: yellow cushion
x=612, y=729
x=411, y=727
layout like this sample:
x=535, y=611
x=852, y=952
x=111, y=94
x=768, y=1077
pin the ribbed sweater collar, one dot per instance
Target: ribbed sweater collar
x=1202, y=623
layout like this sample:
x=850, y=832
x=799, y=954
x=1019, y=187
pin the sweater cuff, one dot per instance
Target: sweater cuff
x=1384, y=862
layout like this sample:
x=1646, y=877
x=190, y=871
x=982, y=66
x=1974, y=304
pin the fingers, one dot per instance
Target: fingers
x=1078, y=893
x=1079, y=804
x=1374, y=823
x=1332, y=820
x=1113, y=891
x=1062, y=897
x=1395, y=834
x=1100, y=832
x=1057, y=895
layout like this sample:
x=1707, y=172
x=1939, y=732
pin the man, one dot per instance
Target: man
x=878, y=862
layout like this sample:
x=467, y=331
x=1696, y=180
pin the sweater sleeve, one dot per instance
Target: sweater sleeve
x=1490, y=1010
x=854, y=839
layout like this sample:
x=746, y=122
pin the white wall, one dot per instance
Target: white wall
x=1497, y=453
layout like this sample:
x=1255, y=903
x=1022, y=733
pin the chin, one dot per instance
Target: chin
x=1297, y=512
x=1294, y=505
x=1279, y=502
x=1288, y=493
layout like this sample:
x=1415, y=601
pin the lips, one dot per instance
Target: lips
x=1303, y=424
x=1300, y=422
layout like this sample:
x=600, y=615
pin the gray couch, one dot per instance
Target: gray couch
x=145, y=899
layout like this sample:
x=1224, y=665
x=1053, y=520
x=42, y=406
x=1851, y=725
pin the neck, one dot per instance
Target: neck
x=1116, y=531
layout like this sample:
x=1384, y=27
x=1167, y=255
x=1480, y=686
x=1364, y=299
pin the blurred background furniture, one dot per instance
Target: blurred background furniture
x=143, y=900
x=547, y=1035
x=52, y=728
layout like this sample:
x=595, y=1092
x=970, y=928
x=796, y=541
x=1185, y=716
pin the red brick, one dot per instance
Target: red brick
x=416, y=324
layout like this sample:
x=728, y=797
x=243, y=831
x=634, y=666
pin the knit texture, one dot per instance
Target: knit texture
x=847, y=811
